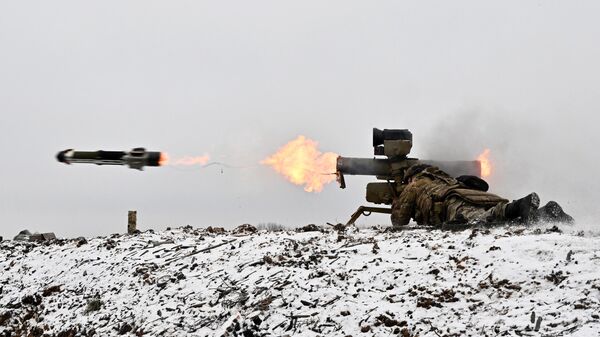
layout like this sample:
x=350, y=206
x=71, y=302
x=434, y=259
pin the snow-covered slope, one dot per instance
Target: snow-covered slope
x=188, y=282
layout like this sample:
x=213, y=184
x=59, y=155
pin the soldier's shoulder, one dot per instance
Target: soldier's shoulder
x=420, y=181
x=435, y=174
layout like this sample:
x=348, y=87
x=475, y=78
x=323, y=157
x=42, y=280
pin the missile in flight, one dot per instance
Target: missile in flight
x=135, y=159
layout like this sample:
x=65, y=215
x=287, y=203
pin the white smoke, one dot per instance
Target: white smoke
x=542, y=154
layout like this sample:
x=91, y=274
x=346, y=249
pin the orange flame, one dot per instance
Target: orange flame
x=300, y=162
x=184, y=161
x=486, y=164
x=164, y=159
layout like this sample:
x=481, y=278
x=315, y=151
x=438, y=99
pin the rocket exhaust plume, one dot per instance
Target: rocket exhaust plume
x=165, y=160
x=486, y=164
x=187, y=160
x=301, y=163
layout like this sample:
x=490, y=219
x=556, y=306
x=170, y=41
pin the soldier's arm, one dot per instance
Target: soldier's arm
x=403, y=208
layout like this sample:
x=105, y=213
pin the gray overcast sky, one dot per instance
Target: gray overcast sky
x=238, y=79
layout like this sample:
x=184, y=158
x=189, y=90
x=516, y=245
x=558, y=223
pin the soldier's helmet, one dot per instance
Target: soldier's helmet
x=413, y=170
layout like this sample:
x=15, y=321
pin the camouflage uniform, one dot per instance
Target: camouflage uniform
x=434, y=198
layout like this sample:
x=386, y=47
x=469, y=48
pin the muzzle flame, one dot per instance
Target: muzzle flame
x=300, y=162
x=486, y=164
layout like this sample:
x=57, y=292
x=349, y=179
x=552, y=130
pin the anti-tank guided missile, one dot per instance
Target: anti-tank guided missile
x=135, y=159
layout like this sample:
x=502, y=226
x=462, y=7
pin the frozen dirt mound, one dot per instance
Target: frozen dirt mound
x=188, y=282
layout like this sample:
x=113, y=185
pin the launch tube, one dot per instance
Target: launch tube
x=363, y=166
x=384, y=167
x=456, y=168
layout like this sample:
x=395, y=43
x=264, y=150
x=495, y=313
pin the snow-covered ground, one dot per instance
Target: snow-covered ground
x=194, y=282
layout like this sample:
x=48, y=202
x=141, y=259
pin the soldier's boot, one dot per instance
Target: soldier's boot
x=524, y=208
x=552, y=212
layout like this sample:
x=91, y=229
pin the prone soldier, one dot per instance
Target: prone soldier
x=432, y=197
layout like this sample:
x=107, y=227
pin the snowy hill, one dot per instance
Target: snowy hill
x=196, y=282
